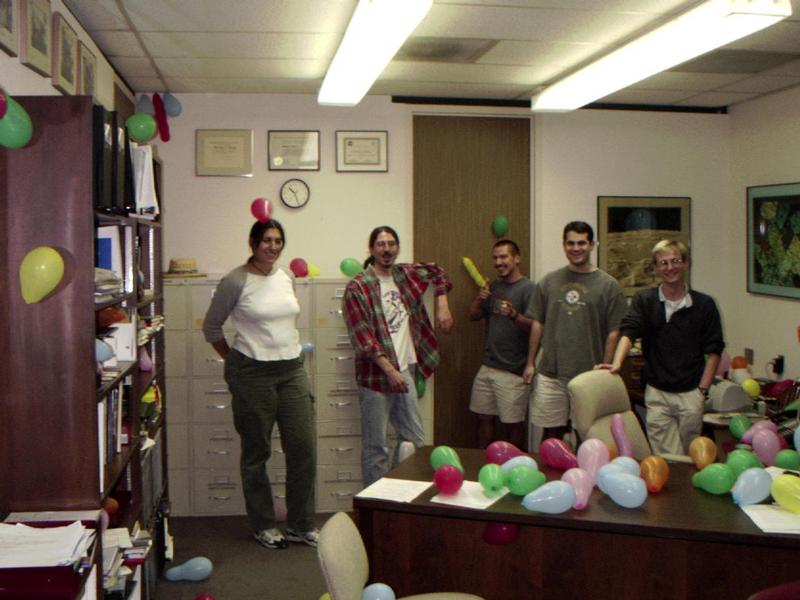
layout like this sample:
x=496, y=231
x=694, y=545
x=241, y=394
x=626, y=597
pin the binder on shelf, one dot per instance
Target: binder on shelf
x=108, y=249
x=144, y=182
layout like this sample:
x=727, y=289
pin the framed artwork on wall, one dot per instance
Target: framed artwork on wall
x=9, y=27
x=627, y=229
x=224, y=152
x=362, y=151
x=65, y=55
x=293, y=150
x=773, y=240
x=87, y=70
x=34, y=28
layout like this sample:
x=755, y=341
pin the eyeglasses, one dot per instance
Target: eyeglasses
x=671, y=261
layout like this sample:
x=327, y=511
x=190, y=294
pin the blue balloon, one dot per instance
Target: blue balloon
x=308, y=347
x=145, y=105
x=378, y=591
x=195, y=569
x=797, y=439
x=524, y=460
x=626, y=490
x=171, y=105
x=627, y=464
x=752, y=486
x=102, y=350
x=604, y=472
x=554, y=497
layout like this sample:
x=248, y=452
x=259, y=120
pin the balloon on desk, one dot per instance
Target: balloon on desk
x=582, y=483
x=205, y=597
x=500, y=451
x=448, y=479
x=445, y=455
x=526, y=460
x=492, y=479
x=261, y=209
x=592, y=454
x=655, y=473
x=627, y=464
x=603, y=473
x=620, y=437
x=788, y=459
x=738, y=425
x=785, y=490
x=625, y=489
x=378, y=591
x=40, y=272
x=500, y=534
x=702, y=451
x=554, y=497
x=766, y=445
x=195, y=569
x=716, y=478
x=747, y=436
x=523, y=479
x=556, y=454
x=740, y=460
x=751, y=487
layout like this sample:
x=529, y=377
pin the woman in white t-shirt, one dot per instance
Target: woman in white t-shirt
x=265, y=375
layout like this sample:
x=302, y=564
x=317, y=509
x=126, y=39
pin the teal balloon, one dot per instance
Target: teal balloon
x=195, y=569
x=500, y=225
x=172, y=105
x=492, y=478
x=350, y=267
x=788, y=459
x=419, y=383
x=141, y=127
x=522, y=480
x=752, y=486
x=554, y=497
x=16, y=128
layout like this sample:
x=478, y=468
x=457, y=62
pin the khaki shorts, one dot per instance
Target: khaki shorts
x=550, y=401
x=498, y=392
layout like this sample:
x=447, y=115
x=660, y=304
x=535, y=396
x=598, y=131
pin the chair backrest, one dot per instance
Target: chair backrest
x=595, y=397
x=342, y=558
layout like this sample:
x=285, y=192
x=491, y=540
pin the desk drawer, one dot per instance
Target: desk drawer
x=333, y=353
x=333, y=497
x=349, y=427
x=205, y=360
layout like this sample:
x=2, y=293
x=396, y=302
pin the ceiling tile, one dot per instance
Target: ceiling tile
x=790, y=68
x=712, y=99
x=242, y=86
x=672, y=80
x=455, y=73
x=135, y=67
x=762, y=84
x=240, y=45
x=558, y=54
x=781, y=37
x=118, y=43
x=735, y=61
x=243, y=68
x=632, y=96
x=100, y=14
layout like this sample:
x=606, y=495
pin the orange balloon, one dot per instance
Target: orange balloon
x=703, y=451
x=738, y=362
x=612, y=452
x=110, y=505
x=655, y=472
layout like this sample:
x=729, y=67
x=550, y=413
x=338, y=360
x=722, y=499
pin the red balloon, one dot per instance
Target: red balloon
x=500, y=534
x=557, y=454
x=161, y=118
x=448, y=479
x=261, y=209
x=499, y=452
x=299, y=267
x=3, y=105
x=204, y=597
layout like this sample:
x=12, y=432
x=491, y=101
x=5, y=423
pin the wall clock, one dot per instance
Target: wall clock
x=295, y=193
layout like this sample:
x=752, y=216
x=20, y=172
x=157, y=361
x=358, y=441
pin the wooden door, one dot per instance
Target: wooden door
x=467, y=171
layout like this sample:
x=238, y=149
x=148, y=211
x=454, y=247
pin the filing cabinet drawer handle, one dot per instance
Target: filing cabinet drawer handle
x=342, y=449
x=346, y=344
x=223, y=498
x=342, y=393
x=211, y=359
x=218, y=392
x=342, y=494
x=336, y=312
x=340, y=404
x=218, y=407
x=222, y=486
x=219, y=452
x=341, y=358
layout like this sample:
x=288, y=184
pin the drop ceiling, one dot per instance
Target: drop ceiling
x=483, y=50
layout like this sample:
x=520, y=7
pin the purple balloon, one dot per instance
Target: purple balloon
x=592, y=454
x=747, y=436
x=766, y=445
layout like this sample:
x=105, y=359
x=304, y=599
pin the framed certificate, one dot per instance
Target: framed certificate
x=293, y=150
x=224, y=152
x=362, y=151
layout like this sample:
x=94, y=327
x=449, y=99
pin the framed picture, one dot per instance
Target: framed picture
x=9, y=27
x=627, y=229
x=87, y=70
x=293, y=150
x=34, y=29
x=362, y=151
x=224, y=152
x=65, y=55
x=773, y=240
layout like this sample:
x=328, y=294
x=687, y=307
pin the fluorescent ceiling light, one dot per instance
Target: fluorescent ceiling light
x=376, y=31
x=711, y=24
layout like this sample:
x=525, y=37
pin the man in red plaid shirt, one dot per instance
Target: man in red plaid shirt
x=392, y=336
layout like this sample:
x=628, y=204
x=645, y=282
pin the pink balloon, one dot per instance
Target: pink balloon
x=499, y=452
x=261, y=209
x=500, y=534
x=620, y=437
x=448, y=479
x=747, y=436
x=766, y=445
x=557, y=454
x=299, y=267
x=582, y=483
x=724, y=364
x=592, y=454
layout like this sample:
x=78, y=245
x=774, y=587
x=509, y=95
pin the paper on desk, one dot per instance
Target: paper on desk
x=771, y=518
x=471, y=495
x=397, y=490
x=24, y=546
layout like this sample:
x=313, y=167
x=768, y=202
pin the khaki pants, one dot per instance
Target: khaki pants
x=673, y=419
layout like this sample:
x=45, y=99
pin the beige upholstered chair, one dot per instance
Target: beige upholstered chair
x=595, y=397
x=343, y=560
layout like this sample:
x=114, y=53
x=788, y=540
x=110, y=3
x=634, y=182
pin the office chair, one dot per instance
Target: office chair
x=343, y=560
x=595, y=397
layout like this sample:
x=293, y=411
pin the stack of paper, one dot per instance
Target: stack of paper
x=25, y=546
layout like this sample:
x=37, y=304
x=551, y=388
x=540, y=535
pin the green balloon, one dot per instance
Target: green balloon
x=523, y=479
x=491, y=478
x=716, y=478
x=141, y=127
x=16, y=128
x=738, y=425
x=350, y=267
x=419, y=383
x=500, y=225
x=740, y=460
x=445, y=455
x=788, y=459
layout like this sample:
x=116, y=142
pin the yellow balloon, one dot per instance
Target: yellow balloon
x=752, y=388
x=313, y=271
x=325, y=596
x=40, y=273
x=785, y=491
x=703, y=451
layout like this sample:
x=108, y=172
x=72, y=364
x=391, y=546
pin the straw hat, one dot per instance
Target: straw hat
x=182, y=267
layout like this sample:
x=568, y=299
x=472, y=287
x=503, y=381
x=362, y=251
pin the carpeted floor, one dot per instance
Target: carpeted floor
x=243, y=569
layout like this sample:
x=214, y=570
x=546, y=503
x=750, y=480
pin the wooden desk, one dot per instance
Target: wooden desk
x=682, y=543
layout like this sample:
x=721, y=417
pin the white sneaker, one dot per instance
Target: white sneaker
x=306, y=537
x=271, y=538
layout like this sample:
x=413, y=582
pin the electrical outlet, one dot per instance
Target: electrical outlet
x=748, y=355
